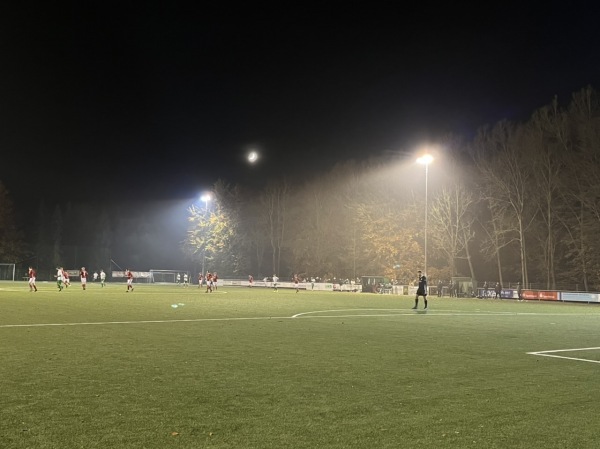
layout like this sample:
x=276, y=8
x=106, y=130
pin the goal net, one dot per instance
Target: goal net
x=169, y=276
x=7, y=272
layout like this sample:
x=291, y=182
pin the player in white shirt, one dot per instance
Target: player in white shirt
x=59, y=278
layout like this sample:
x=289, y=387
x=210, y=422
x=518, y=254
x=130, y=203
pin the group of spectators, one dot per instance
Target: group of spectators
x=451, y=288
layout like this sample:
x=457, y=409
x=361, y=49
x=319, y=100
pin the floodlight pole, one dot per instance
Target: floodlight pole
x=206, y=198
x=426, y=214
x=426, y=160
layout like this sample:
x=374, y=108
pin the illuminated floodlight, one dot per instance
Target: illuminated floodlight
x=426, y=159
x=252, y=157
x=206, y=198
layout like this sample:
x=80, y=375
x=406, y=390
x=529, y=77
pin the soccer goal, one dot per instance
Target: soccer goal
x=168, y=276
x=7, y=271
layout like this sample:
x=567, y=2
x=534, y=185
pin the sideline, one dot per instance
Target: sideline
x=105, y=323
x=333, y=313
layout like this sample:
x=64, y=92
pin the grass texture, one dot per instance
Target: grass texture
x=173, y=367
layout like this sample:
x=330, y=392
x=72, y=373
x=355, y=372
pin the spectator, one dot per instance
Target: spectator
x=498, y=291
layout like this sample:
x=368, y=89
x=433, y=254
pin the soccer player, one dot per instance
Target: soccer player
x=102, y=277
x=65, y=277
x=215, y=279
x=209, y=282
x=200, y=279
x=297, y=283
x=129, y=276
x=421, y=290
x=250, y=280
x=83, y=274
x=95, y=276
x=59, y=278
x=178, y=278
x=275, y=281
x=185, y=279
x=31, y=275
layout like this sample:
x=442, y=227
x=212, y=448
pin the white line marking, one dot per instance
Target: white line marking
x=564, y=350
x=566, y=358
x=399, y=312
x=101, y=323
x=551, y=353
x=437, y=312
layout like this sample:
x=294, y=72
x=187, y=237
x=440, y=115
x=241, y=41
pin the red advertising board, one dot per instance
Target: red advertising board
x=548, y=295
x=543, y=295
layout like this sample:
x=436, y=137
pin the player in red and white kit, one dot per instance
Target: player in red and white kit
x=83, y=274
x=200, y=279
x=129, y=276
x=215, y=278
x=66, y=280
x=250, y=280
x=209, y=282
x=31, y=275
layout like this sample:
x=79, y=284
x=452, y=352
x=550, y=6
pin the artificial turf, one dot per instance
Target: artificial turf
x=174, y=367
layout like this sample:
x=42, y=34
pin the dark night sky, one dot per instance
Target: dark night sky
x=150, y=100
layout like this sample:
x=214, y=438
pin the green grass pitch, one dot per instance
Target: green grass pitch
x=255, y=368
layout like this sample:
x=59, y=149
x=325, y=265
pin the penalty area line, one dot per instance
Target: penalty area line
x=552, y=353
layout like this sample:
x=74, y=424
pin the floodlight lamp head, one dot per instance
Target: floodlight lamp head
x=426, y=159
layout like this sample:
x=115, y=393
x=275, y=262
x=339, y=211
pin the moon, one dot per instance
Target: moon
x=252, y=157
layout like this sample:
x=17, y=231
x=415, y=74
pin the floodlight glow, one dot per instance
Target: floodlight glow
x=252, y=157
x=206, y=198
x=426, y=159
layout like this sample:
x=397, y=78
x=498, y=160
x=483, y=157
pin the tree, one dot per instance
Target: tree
x=215, y=237
x=549, y=142
x=57, y=233
x=274, y=202
x=230, y=245
x=505, y=167
x=388, y=232
x=12, y=248
x=312, y=232
x=583, y=195
x=451, y=223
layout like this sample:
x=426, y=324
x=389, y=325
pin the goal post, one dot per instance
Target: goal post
x=168, y=276
x=7, y=272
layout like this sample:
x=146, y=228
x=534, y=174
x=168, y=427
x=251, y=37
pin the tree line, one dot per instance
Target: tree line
x=519, y=201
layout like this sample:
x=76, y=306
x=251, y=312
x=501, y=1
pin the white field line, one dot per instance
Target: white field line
x=551, y=353
x=105, y=323
x=306, y=315
x=434, y=312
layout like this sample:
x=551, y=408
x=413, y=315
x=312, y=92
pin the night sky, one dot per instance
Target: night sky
x=158, y=100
